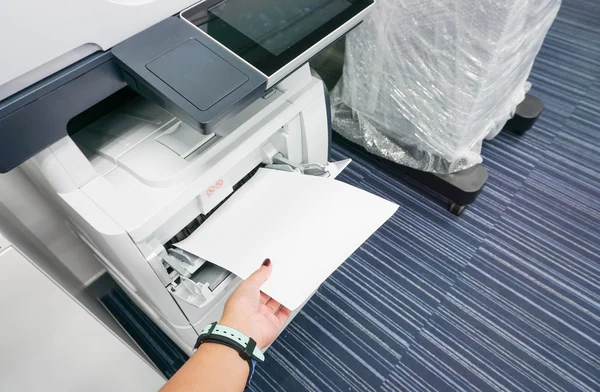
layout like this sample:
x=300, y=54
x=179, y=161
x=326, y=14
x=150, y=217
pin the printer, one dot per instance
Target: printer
x=139, y=118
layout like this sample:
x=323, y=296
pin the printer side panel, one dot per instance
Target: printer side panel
x=307, y=94
x=115, y=250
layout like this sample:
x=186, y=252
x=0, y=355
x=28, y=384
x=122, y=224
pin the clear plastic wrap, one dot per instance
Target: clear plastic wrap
x=425, y=81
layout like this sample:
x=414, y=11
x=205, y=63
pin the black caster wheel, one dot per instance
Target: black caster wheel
x=456, y=209
x=526, y=115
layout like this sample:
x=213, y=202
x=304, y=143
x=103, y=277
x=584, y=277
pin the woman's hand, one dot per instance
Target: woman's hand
x=215, y=367
x=254, y=313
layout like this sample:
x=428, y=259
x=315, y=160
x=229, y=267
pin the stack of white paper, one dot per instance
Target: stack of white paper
x=308, y=226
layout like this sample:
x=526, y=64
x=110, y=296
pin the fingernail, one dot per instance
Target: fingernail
x=267, y=262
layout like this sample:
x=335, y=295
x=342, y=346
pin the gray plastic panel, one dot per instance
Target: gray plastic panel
x=178, y=67
x=193, y=70
x=51, y=83
x=38, y=117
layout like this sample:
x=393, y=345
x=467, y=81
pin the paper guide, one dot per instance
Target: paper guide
x=308, y=226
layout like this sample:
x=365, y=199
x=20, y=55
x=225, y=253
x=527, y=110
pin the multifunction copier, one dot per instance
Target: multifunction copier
x=138, y=118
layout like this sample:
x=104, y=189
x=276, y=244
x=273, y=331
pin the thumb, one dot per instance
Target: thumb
x=260, y=275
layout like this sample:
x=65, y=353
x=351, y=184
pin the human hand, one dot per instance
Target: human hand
x=254, y=313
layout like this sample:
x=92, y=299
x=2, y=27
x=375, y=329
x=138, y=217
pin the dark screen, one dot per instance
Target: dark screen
x=268, y=34
x=277, y=25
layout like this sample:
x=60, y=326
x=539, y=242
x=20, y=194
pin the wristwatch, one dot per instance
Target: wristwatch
x=244, y=345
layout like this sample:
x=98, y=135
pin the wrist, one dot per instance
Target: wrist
x=214, y=354
x=234, y=341
x=242, y=326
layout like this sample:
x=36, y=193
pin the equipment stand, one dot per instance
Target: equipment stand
x=463, y=187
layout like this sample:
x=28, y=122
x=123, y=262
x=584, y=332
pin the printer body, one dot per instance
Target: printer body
x=140, y=141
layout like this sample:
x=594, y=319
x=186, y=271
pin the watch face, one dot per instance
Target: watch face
x=268, y=34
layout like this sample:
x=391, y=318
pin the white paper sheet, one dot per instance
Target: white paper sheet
x=308, y=226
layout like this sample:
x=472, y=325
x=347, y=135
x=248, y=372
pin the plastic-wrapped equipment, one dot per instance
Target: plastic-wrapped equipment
x=425, y=81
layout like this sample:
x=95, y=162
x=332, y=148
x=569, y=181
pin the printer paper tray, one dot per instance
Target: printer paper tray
x=308, y=226
x=210, y=276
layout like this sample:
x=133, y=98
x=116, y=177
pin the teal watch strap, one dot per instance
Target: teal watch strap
x=232, y=336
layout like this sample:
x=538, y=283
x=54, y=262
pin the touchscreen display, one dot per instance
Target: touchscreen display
x=269, y=34
x=277, y=25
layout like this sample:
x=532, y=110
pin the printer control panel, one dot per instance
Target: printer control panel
x=176, y=66
x=270, y=34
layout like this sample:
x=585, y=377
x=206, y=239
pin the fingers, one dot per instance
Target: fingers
x=273, y=305
x=260, y=275
x=264, y=298
x=283, y=314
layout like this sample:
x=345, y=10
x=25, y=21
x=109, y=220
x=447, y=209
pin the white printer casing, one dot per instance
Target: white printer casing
x=137, y=179
x=133, y=194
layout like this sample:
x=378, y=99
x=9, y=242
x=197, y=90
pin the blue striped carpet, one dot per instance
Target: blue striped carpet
x=506, y=297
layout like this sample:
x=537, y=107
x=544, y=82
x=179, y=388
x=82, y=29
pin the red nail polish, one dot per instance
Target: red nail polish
x=267, y=262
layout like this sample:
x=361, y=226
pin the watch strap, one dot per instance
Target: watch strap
x=245, y=345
